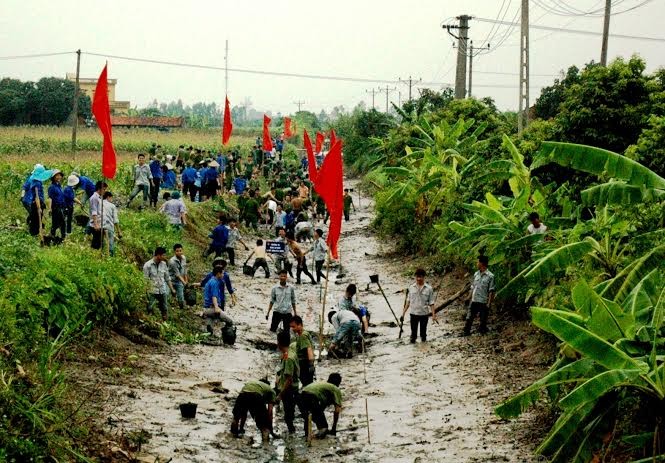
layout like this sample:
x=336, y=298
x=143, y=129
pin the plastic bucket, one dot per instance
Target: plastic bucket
x=188, y=410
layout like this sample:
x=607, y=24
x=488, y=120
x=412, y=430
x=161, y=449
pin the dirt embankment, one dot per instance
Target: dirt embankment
x=428, y=401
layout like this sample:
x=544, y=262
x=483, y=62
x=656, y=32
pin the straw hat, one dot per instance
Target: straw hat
x=213, y=164
x=73, y=180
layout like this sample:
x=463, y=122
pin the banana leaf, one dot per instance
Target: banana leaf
x=621, y=285
x=584, y=341
x=519, y=403
x=620, y=193
x=559, y=259
x=564, y=428
x=594, y=388
x=602, y=162
x=605, y=318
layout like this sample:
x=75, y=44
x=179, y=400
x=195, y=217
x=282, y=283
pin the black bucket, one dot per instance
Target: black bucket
x=188, y=410
x=374, y=279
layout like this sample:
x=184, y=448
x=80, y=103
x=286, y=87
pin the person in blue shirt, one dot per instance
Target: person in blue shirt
x=169, y=180
x=214, y=300
x=239, y=184
x=57, y=200
x=220, y=237
x=188, y=180
x=33, y=189
x=221, y=160
x=210, y=183
x=85, y=184
x=156, y=171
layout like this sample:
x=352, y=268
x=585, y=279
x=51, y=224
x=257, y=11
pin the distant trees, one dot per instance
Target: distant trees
x=45, y=102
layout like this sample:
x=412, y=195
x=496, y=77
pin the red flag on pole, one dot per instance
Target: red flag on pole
x=330, y=186
x=228, y=124
x=102, y=112
x=267, y=141
x=319, y=142
x=287, y=127
x=311, y=160
x=333, y=137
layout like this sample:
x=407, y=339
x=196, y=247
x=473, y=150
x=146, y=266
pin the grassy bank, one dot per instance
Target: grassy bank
x=55, y=299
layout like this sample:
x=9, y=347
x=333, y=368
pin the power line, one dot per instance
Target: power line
x=244, y=71
x=564, y=9
x=38, y=55
x=575, y=31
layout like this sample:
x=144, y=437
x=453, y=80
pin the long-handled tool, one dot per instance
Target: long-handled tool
x=375, y=279
x=401, y=326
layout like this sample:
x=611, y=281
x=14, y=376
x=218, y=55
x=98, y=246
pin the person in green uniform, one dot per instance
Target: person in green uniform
x=304, y=349
x=348, y=203
x=242, y=200
x=288, y=374
x=249, y=167
x=257, y=398
x=251, y=211
x=316, y=397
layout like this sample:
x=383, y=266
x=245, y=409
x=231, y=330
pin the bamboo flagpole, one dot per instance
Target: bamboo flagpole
x=39, y=216
x=323, y=307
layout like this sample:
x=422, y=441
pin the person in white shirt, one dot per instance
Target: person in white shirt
x=175, y=210
x=420, y=299
x=536, y=227
x=110, y=222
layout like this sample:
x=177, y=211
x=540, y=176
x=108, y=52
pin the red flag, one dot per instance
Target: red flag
x=330, y=186
x=228, y=124
x=311, y=160
x=267, y=141
x=333, y=137
x=287, y=127
x=319, y=142
x=102, y=112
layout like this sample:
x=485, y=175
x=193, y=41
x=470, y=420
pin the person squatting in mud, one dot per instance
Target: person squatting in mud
x=257, y=398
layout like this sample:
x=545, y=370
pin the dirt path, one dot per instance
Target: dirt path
x=427, y=402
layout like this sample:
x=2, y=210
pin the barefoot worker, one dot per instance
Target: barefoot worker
x=316, y=397
x=304, y=348
x=420, y=300
x=257, y=398
x=288, y=375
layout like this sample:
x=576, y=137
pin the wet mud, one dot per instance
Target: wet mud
x=428, y=401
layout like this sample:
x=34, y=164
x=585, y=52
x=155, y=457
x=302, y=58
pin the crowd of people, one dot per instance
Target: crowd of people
x=277, y=206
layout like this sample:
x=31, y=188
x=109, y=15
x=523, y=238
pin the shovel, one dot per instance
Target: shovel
x=375, y=279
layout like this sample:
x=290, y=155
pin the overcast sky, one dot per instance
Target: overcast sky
x=385, y=40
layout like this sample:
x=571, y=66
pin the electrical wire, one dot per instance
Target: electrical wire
x=37, y=55
x=563, y=9
x=577, y=31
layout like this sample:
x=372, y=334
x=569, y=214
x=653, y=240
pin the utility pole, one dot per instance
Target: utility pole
x=523, y=111
x=460, y=75
x=226, y=69
x=410, y=83
x=373, y=92
x=387, y=90
x=471, y=56
x=75, y=111
x=299, y=104
x=606, y=32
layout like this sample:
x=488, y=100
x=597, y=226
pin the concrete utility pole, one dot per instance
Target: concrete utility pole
x=523, y=111
x=606, y=32
x=410, y=83
x=226, y=69
x=75, y=110
x=387, y=90
x=373, y=92
x=299, y=104
x=460, y=75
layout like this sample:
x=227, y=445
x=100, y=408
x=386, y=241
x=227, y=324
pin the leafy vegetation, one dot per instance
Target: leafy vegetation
x=452, y=180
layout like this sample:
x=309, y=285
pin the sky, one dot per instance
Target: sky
x=370, y=39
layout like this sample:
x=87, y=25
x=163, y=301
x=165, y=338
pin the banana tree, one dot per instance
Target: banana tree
x=629, y=182
x=612, y=353
x=432, y=165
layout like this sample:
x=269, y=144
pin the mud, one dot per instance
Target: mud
x=428, y=401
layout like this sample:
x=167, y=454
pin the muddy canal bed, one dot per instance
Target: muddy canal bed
x=428, y=401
